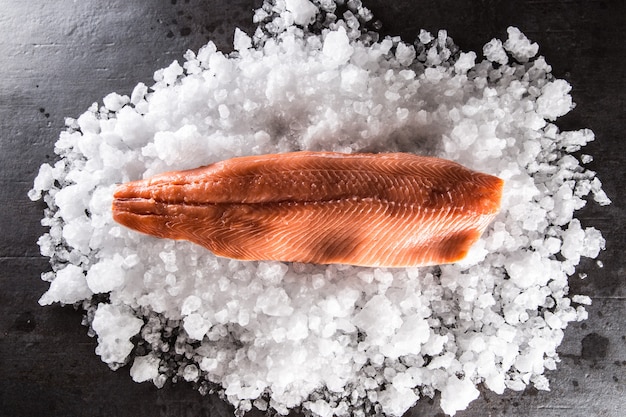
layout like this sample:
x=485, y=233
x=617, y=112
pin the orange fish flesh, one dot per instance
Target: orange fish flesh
x=383, y=210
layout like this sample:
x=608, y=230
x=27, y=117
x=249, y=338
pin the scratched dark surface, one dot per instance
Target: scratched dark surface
x=60, y=56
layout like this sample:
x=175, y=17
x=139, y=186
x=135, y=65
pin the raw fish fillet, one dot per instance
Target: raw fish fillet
x=384, y=210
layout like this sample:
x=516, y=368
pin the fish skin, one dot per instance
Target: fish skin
x=383, y=210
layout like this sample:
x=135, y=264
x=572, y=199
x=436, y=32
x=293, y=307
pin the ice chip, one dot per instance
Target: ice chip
x=106, y=275
x=555, y=100
x=494, y=52
x=379, y=318
x=303, y=11
x=145, y=368
x=519, y=46
x=68, y=287
x=196, y=326
x=337, y=48
x=115, y=326
x=457, y=394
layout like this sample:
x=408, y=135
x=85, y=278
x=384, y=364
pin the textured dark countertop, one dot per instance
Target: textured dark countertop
x=60, y=56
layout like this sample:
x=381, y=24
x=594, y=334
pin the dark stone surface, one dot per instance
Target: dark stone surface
x=59, y=57
x=594, y=347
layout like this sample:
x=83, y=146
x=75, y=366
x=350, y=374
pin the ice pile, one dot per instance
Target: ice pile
x=334, y=340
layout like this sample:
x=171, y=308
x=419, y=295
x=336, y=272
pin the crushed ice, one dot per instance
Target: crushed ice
x=335, y=340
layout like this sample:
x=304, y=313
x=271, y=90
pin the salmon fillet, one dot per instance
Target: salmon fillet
x=385, y=210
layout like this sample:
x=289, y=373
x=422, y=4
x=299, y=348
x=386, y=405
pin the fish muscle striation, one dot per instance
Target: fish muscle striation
x=390, y=209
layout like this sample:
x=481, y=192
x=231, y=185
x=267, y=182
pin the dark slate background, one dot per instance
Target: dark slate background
x=57, y=57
